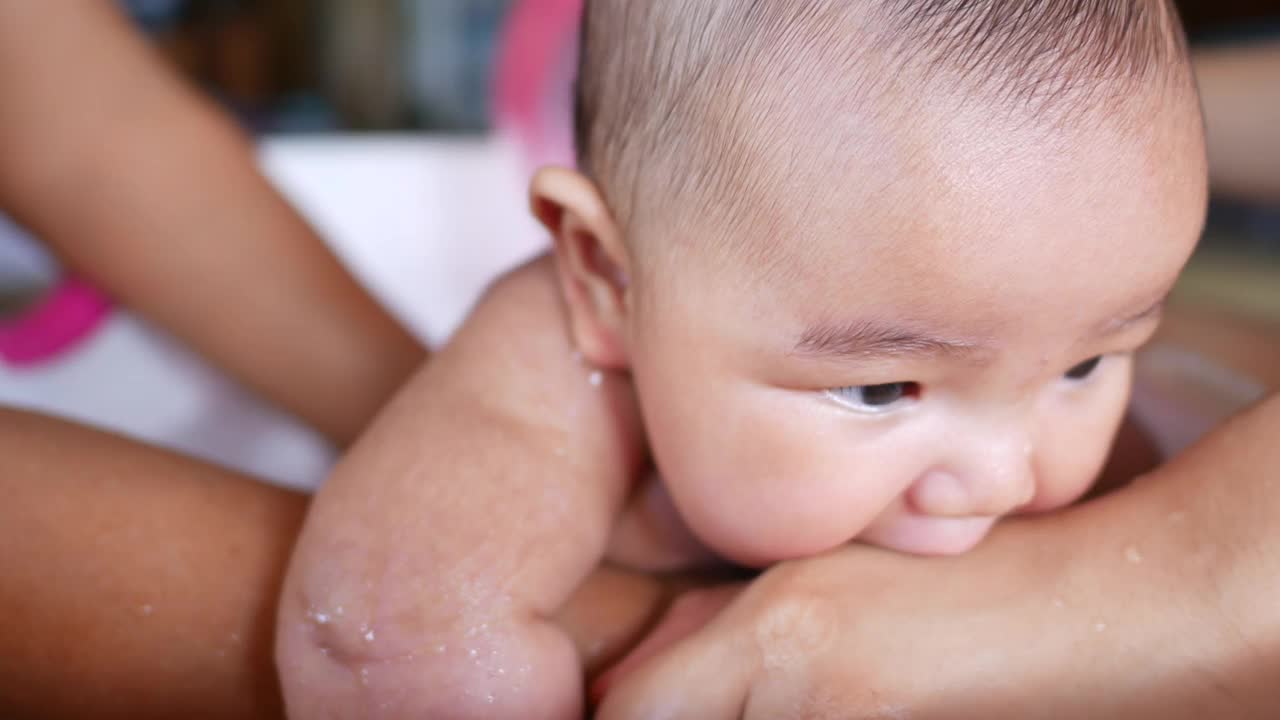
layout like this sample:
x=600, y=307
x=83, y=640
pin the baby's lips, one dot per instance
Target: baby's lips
x=687, y=615
x=924, y=535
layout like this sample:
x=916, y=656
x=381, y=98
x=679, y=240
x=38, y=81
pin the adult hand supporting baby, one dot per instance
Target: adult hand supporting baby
x=1151, y=602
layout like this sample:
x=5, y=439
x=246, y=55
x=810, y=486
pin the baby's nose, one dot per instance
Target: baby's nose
x=996, y=482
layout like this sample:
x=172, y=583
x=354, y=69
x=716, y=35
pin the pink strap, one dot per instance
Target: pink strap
x=536, y=38
x=63, y=319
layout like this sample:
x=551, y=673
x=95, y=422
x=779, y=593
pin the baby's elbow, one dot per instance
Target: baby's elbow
x=321, y=674
x=332, y=667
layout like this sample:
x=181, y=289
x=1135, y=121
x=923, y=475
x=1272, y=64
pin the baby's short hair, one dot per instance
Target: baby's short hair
x=667, y=88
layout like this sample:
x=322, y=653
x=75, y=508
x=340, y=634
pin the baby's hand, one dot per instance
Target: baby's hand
x=650, y=535
x=434, y=560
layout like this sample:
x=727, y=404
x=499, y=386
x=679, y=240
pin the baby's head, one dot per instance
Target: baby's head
x=878, y=267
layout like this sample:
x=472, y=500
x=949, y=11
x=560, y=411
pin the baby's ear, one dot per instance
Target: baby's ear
x=593, y=263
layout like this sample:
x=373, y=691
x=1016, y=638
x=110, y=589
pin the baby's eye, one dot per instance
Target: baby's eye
x=1084, y=369
x=875, y=398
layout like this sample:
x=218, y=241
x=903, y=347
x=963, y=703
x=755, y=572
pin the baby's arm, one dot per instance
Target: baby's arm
x=432, y=562
x=149, y=582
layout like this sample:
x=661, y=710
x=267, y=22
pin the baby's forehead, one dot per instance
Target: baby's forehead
x=975, y=228
x=925, y=185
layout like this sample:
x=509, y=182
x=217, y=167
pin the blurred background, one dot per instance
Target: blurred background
x=300, y=66
x=317, y=65
x=310, y=65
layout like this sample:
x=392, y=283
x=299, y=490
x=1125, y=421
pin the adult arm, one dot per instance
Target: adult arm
x=141, y=185
x=134, y=583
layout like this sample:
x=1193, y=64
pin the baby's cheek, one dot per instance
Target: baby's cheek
x=760, y=475
x=1069, y=484
x=1070, y=459
x=765, y=514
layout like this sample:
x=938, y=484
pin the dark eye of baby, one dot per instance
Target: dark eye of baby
x=887, y=394
x=1084, y=369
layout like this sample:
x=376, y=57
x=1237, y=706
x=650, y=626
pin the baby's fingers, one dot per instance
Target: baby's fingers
x=649, y=534
x=704, y=676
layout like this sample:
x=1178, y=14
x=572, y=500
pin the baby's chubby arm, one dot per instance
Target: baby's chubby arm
x=433, y=559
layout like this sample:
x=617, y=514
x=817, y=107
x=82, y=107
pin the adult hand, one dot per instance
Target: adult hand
x=1157, y=601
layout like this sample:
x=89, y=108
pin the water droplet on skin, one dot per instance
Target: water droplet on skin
x=1133, y=555
x=488, y=699
x=368, y=636
x=472, y=652
x=596, y=378
x=364, y=677
x=146, y=610
x=441, y=648
x=338, y=611
x=502, y=671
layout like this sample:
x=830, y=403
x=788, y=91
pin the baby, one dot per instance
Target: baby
x=876, y=268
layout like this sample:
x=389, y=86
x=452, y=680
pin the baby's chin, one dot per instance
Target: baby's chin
x=928, y=535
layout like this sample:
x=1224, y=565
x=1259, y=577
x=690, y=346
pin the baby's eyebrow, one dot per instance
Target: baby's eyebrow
x=866, y=340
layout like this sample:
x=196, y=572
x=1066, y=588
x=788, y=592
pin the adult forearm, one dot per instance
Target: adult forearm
x=143, y=186
x=1158, y=601
x=134, y=583
x=1165, y=606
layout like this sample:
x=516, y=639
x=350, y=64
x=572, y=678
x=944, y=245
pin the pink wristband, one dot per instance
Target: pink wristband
x=67, y=316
